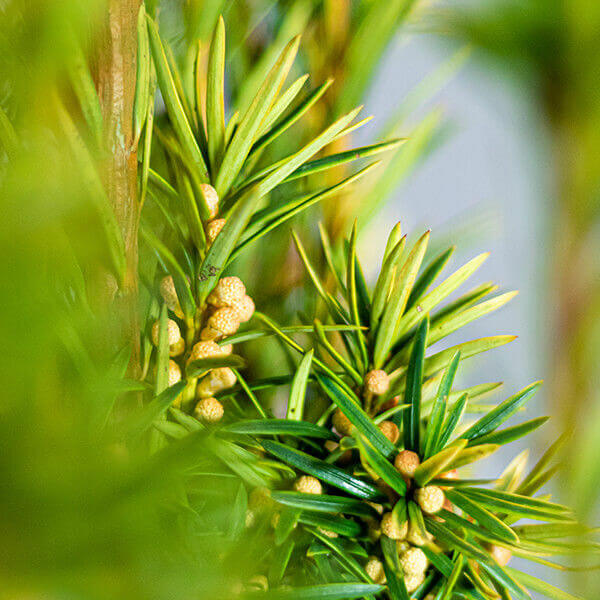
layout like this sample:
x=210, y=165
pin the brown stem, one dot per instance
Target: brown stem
x=116, y=73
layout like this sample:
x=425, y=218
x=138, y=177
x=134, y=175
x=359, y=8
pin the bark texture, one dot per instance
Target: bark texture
x=116, y=73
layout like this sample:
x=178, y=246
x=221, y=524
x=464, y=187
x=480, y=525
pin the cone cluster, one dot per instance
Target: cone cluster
x=228, y=305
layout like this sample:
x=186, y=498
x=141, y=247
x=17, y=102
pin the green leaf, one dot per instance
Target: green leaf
x=433, y=298
x=254, y=334
x=295, y=409
x=161, y=382
x=8, y=136
x=149, y=413
x=279, y=171
x=383, y=286
x=341, y=158
x=218, y=254
x=452, y=420
x=453, y=541
x=281, y=105
x=412, y=394
x=471, y=455
x=290, y=119
x=485, y=518
x=174, y=105
x=353, y=295
x=517, y=505
x=285, y=213
x=510, y=434
x=440, y=360
x=501, y=413
x=438, y=412
x=388, y=328
x=415, y=518
x=280, y=562
x=538, y=470
x=445, y=592
x=396, y=586
x=350, y=406
x=428, y=276
x=437, y=464
x=339, y=547
x=337, y=524
x=320, y=334
x=546, y=531
x=325, y=503
x=505, y=581
x=141, y=98
x=215, y=96
x=322, y=470
x=182, y=287
x=280, y=427
x=329, y=591
x=540, y=586
x=445, y=326
x=249, y=126
x=197, y=368
x=381, y=466
x=237, y=516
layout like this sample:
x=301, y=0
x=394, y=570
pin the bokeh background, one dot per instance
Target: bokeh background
x=514, y=168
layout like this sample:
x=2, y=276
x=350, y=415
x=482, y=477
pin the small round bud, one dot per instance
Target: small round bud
x=416, y=538
x=377, y=382
x=391, y=529
x=226, y=349
x=206, y=349
x=430, y=498
x=500, y=555
x=342, y=423
x=414, y=561
x=258, y=582
x=250, y=518
x=245, y=308
x=275, y=520
x=169, y=295
x=224, y=322
x=390, y=430
x=412, y=582
x=407, y=462
x=260, y=499
x=308, y=485
x=178, y=348
x=378, y=507
x=173, y=333
x=374, y=569
x=211, y=198
x=326, y=532
x=391, y=403
x=213, y=229
x=227, y=292
x=216, y=381
x=174, y=373
x=209, y=410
